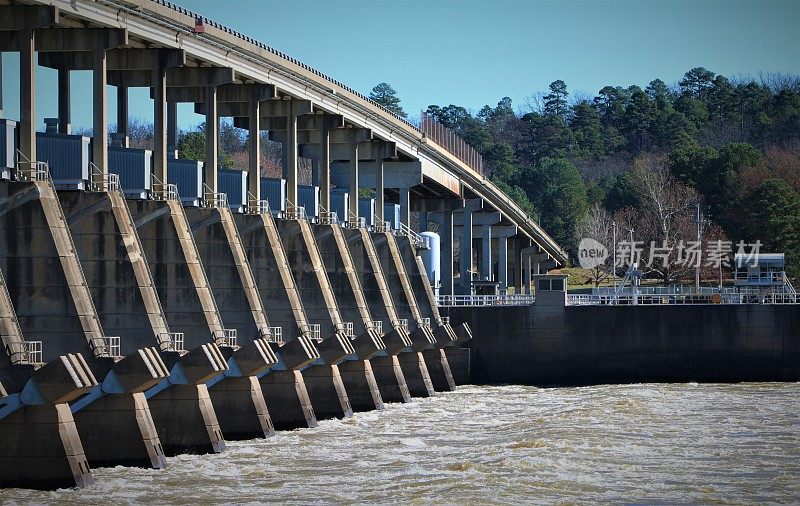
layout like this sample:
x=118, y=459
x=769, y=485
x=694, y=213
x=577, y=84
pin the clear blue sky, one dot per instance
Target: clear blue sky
x=472, y=53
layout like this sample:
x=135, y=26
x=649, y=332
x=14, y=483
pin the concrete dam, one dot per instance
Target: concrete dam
x=152, y=306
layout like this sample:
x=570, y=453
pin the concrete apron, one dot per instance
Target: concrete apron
x=39, y=443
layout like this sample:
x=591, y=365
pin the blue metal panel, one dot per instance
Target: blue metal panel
x=274, y=191
x=188, y=175
x=340, y=204
x=391, y=213
x=67, y=156
x=8, y=147
x=135, y=169
x=234, y=183
x=366, y=210
x=308, y=197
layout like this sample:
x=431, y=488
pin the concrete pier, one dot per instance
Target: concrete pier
x=358, y=378
x=386, y=368
x=180, y=405
x=237, y=298
x=413, y=365
x=321, y=308
x=284, y=391
x=436, y=359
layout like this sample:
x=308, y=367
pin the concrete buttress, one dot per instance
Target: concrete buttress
x=237, y=397
x=180, y=405
x=284, y=388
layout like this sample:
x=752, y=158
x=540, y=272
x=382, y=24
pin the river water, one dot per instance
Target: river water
x=675, y=443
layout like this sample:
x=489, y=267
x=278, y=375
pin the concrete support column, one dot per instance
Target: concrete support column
x=1, y=85
x=486, y=253
x=502, y=264
x=27, y=95
x=446, y=253
x=314, y=172
x=325, y=169
x=64, y=105
x=212, y=140
x=253, y=169
x=466, y=252
x=122, y=114
x=353, y=196
x=160, y=124
x=290, y=150
x=405, y=206
x=172, y=126
x=99, y=111
x=379, y=190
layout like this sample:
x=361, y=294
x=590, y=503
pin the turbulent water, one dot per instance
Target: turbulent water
x=683, y=443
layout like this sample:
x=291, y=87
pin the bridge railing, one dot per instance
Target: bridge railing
x=485, y=300
x=450, y=141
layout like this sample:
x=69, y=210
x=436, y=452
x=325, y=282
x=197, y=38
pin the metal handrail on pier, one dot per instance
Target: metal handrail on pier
x=25, y=352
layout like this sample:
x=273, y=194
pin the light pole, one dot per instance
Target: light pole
x=614, y=254
x=700, y=245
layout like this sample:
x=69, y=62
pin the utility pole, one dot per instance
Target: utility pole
x=614, y=253
x=700, y=244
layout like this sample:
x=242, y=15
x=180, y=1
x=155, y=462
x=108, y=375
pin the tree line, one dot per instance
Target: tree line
x=644, y=158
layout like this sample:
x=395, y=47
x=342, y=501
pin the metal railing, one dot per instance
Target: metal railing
x=225, y=338
x=294, y=212
x=171, y=341
x=106, y=346
x=29, y=171
x=761, y=277
x=377, y=325
x=426, y=322
x=451, y=142
x=402, y=322
x=445, y=320
x=163, y=191
x=101, y=181
x=486, y=300
x=214, y=200
x=643, y=299
x=383, y=226
x=273, y=335
x=25, y=352
x=416, y=239
x=256, y=206
x=327, y=217
x=355, y=222
x=347, y=327
x=313, y=329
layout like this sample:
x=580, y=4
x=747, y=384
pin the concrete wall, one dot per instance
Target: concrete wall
x=622, y=344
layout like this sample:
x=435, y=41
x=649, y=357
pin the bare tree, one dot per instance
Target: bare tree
x=665, y=220
x=598, y=225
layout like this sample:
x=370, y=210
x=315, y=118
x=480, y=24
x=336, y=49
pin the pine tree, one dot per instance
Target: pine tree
x=387, y=97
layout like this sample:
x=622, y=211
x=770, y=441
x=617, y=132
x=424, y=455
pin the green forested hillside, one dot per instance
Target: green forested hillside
x=645, y=157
